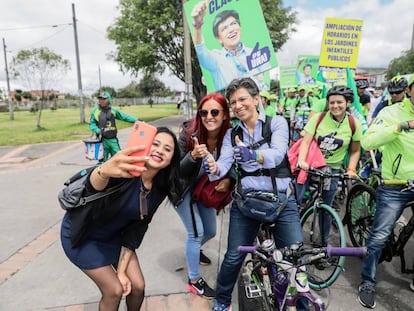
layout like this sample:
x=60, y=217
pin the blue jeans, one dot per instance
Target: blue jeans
x=205, y=222
x=390, y=205
x=242, y=231
x=328, y=196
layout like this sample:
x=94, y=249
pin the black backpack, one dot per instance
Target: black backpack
x=282, y=170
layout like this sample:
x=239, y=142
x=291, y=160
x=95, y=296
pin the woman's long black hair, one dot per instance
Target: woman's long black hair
x=168, y=176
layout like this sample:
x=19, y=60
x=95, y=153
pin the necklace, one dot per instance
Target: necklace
x=143, y=206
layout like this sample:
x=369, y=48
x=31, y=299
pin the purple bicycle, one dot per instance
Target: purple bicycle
x=276, y=279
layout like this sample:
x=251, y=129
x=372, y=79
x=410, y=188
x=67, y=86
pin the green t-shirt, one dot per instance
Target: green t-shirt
x=397, y=147
x=318, y=105
x=333, y=137
x=303, y=105
x=288, y=103
x=270, y=111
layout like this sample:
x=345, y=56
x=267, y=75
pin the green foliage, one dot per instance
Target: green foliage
x=149, y=36
x=150, y=86
x=130, y=91
x=403, y=64
x=279, y=21
x=27, y=95
x=38, y=68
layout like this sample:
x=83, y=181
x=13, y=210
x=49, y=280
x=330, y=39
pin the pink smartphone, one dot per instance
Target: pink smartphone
x=141, y=134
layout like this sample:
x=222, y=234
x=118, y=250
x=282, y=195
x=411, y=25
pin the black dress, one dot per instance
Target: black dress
x=103, y=245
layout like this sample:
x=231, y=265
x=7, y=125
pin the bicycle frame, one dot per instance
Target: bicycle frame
x=318, y=201
x=288, y=286
x=289, y=278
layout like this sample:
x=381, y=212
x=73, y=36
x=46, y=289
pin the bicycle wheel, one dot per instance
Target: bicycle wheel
x=360, y=210
x=324, y=272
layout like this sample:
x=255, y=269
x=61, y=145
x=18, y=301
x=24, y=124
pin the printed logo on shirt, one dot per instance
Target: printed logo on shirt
x=329, y=143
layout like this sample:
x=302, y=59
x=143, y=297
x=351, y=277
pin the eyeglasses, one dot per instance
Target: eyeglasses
x=396, y=93
x=214, y=112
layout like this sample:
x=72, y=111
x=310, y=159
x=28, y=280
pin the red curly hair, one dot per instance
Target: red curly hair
x=197, y=127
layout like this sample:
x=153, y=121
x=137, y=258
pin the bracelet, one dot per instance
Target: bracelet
x=257, y=156
x=198, y=25
x=100, y=174
x=350, y=169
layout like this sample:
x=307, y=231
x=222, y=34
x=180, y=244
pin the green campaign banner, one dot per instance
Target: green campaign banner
x=231, y=40
x=287, y=76
x=307, y=69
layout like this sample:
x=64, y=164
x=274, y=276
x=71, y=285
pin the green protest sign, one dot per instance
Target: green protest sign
x=231, y=40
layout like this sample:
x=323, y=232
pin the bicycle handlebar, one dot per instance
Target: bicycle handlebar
x=248, y=249
x=346, y=251
x=317, y=253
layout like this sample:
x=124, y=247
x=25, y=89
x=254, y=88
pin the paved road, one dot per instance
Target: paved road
x=36, y=275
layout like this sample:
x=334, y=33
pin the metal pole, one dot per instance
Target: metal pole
x=412, y=38
x=11, y=108
x=187, y=68
x=99, y=71
x=81, y=105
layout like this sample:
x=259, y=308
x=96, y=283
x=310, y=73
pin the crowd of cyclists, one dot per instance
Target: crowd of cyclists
x=242, y=139
x=326, y=119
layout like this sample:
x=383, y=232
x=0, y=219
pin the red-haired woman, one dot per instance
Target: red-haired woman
x=200, y=137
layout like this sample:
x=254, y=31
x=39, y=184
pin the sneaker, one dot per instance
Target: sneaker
x=221, y=307
x=201, y=289
x=204, y=260
x=412, y=285
x=366, y=295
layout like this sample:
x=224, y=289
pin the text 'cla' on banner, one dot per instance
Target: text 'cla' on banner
x=340, y=43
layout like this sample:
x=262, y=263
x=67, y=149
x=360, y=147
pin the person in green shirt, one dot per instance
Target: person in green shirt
x=287, y=103
x=299, y=113
x=392, y=131
x=265, y=98
x=102, y=123
x=334, y=137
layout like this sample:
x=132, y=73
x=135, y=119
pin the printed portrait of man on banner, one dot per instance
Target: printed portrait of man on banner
x=231, y=40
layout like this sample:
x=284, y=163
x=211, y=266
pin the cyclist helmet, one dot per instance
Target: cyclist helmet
x=411, y=81
x=341, y=90
x=397, y=84
x=362, y=84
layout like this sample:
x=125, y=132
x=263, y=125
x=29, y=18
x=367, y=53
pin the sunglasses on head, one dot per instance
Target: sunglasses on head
x=396, y=93
x=214, y=112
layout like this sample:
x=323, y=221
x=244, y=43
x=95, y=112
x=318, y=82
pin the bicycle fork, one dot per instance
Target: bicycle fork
x=299, y=290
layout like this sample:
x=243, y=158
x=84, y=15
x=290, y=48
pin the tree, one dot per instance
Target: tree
x=130, y=91
x=39, y=69
x=149, y=36
x=403, y=64
x=150, y=86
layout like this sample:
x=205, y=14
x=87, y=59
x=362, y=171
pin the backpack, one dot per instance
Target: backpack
x=351, y=121
x=282, y=170
x=72, y=196
x=308, y=103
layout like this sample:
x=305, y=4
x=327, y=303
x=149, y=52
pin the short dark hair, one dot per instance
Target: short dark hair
x=223, y=16
x=247, y=83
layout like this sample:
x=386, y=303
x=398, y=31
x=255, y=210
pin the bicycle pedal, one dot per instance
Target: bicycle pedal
x=252, y=291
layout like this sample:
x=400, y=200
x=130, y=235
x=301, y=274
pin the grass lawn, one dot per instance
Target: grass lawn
x=64, y=124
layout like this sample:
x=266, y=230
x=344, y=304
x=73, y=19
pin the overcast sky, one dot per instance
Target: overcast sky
x=27, y=24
